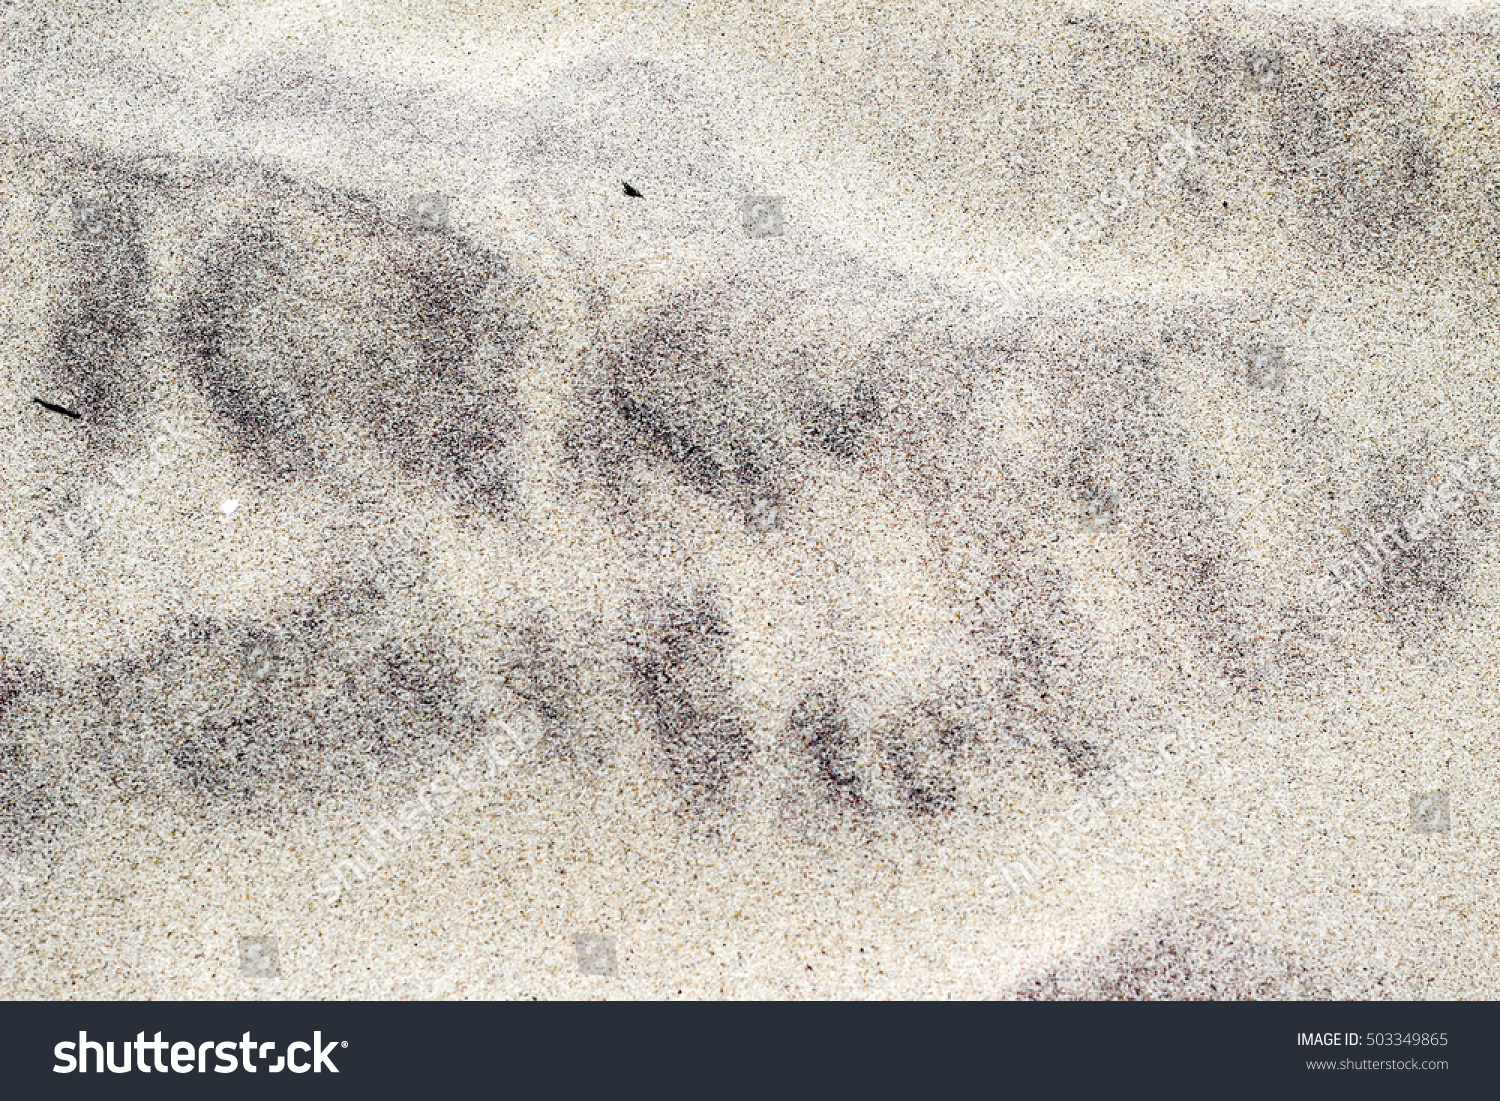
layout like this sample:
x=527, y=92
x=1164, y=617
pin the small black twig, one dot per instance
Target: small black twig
x=632, y=192
x=58, y=409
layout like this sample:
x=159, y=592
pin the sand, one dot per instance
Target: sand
x=464, y=578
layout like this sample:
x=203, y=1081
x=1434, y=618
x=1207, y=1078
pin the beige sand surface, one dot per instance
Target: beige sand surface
x=773, y=551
